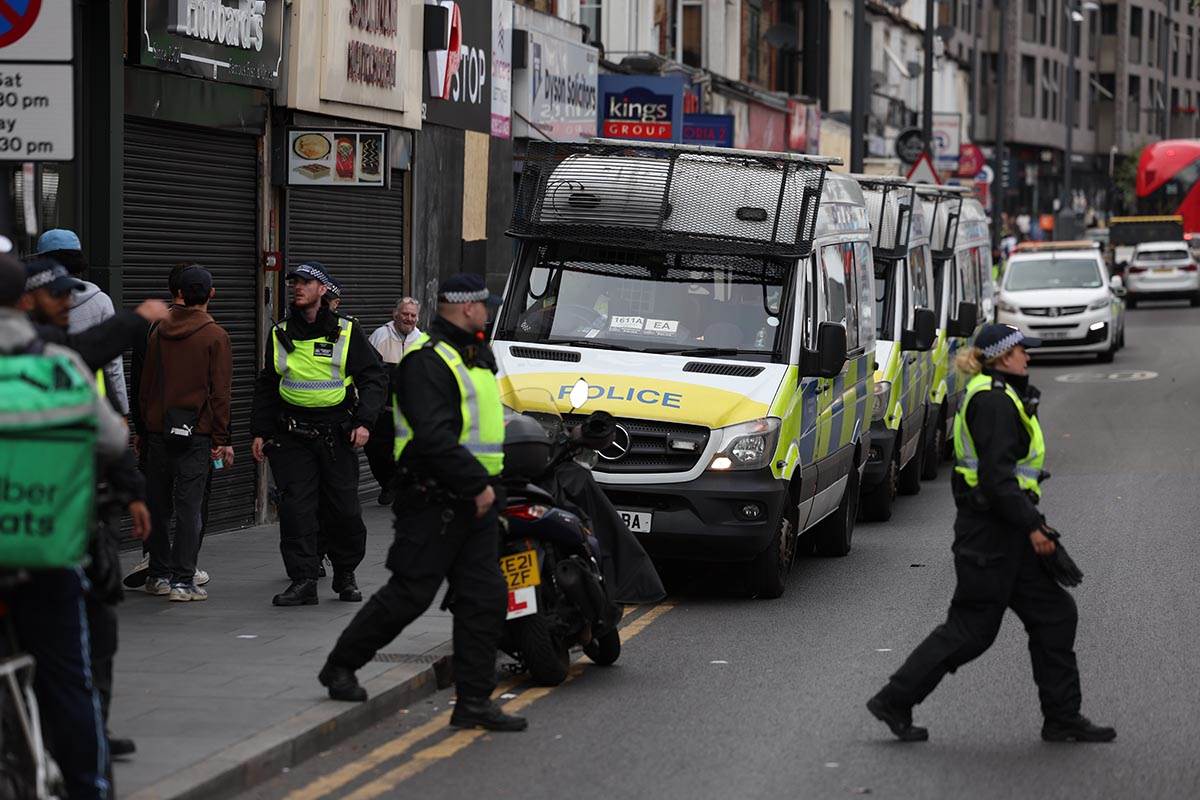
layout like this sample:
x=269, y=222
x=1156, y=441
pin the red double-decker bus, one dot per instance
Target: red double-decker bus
x=1168, y=182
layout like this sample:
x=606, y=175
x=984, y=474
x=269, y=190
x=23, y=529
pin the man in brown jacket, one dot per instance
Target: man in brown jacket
x=184, y=396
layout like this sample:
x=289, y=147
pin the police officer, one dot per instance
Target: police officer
x=449, y=448
x=306, y=421
x=999, y=537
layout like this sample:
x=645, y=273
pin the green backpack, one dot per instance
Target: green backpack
x=47, y=461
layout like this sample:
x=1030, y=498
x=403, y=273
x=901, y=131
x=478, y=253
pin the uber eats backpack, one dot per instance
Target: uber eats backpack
x=47, y=461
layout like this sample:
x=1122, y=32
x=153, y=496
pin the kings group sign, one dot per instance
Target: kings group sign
x=643, y=107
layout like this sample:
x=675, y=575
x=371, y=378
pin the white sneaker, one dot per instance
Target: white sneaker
x=200, y=578
x=159, y=587
x=183, y=592
x=136, y=577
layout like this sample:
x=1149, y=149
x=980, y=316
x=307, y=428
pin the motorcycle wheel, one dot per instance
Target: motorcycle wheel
x=606, y=650
x=545, y=657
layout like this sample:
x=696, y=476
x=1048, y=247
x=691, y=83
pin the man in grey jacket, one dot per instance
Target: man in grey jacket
x=89, y=304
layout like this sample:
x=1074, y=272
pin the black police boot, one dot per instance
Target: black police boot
x=341, y=683
x=120, y=747
x=346, y=587
x=1076, y=729
x=301, y=593
x=899, y=720
x=483, y=713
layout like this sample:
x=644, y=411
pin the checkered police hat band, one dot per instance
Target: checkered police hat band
x=306, y=271
x=1004, y=345
x=480, y=296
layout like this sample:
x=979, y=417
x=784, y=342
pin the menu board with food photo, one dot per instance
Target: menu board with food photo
x=341, y=157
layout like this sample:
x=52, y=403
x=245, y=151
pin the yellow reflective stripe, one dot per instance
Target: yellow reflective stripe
x=101, y=387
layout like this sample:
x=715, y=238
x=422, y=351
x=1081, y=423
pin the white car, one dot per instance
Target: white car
x=1061, y=293
x=1162, y=271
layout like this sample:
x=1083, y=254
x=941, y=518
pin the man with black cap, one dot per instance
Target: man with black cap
x=449, y=448
x=1000, y=541
x=305, y=419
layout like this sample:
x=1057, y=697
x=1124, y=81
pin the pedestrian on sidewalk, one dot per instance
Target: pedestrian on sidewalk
x=89, y=305
x=449, y=447
x=1000, y=538
x=308, y=422
x=390, y=341
x=136, y=577
x=185, y=395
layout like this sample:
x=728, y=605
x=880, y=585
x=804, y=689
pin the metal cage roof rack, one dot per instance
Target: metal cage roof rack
x=890, y=205
x=670, y=198
x=943, y=230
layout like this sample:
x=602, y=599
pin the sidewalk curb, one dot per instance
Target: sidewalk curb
x=262, y=756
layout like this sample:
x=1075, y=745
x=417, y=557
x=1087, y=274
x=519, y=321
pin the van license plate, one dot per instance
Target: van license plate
x=637, y=521
x=1053, y=334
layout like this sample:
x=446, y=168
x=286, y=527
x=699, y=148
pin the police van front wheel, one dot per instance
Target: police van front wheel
x=769, y=570
x=910, y=476
x=876, y=505
x=933, y=450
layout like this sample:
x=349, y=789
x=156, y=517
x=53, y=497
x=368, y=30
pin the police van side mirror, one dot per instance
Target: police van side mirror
x=923, y=331
x=829, y=357
x=964, y=323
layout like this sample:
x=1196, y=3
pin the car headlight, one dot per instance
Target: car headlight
x=881, y=393
x=1096, y=305
x=749, y=445
x=1006, y=307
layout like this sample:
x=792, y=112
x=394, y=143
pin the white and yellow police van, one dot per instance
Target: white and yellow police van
x=719, y=304
x=905, y=328
x=960, y=248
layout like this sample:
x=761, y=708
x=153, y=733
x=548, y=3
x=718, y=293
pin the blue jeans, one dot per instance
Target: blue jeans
x=50, y=619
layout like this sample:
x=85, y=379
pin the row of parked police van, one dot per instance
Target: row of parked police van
x=775, y=339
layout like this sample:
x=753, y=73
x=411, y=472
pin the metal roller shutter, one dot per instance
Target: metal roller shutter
x=359, y=236
x=191, y=194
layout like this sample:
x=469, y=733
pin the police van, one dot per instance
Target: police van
x=905, y=327
x=719, y=304
x=959, y=247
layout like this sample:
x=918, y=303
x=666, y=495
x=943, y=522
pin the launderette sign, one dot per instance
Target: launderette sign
x=643, y=107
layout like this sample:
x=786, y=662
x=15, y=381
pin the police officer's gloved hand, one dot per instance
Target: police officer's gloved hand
x=1059, y=565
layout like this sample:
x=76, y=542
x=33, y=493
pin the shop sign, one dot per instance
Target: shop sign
x=502, y=29
x=362, y=58
x=557, y=92
x=767, y=129
x=642, y=107
x=37, y=105
x=715, y=130
x=462, y=72
x=234, y=41
x=351, y=157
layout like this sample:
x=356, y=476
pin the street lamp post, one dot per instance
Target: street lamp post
x=927, y=108
x=999, y=174
x=860, y=73
x=1075, y=18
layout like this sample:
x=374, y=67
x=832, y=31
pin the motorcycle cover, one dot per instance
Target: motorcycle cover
x=628, y=571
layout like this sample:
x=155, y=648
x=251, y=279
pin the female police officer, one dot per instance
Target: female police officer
x=999, y=536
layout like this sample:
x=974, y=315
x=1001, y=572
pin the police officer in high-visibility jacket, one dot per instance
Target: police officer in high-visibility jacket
x=449, y=451
x=999, y=538
x=306, y=421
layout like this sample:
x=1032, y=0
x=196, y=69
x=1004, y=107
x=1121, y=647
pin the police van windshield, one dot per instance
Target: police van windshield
x=690, y=304
x=1052, y=273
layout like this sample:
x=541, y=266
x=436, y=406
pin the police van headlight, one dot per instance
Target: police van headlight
x=748, y=445
x=1006, y=307
x=1096, y=305
x=881, y=393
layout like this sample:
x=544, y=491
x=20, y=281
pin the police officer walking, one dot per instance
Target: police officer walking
x=306, y=421
x=1000, y=540
x=449, y=448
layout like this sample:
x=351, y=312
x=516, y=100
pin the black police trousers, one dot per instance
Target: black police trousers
x=987, y=586
x=318, y=483
x=426, y=550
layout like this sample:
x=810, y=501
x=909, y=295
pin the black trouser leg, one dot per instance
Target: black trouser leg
x=204, y=507
x=1050, y=617
x=480, y=595
x=102, y=627
x=380, y=448
x=296, y=465
x=419, y=559
x=51, y=624
x=340, y=513
x=978, y=606
x=191, y=467
x=160, y=482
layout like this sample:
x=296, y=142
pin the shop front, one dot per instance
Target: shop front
x=196, y=110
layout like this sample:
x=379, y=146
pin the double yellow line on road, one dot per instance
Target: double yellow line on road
x=426, y=757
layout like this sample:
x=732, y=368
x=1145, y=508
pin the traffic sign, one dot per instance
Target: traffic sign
x=35, y=30
x=970, y=160
x=36, y=112
x=910, y=145
x=923, y=171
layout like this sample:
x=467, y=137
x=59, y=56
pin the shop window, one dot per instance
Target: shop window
x=692, y=33
x=590, y=17
x=1028, y=86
